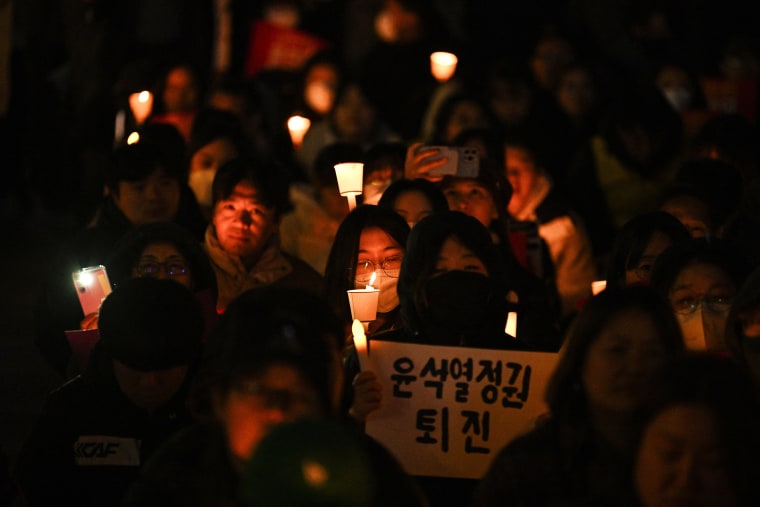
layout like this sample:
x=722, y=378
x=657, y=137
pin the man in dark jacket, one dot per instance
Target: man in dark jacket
x=97, y=430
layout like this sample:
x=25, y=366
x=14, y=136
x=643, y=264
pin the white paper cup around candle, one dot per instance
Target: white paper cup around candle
x=298, y=126
x=363, y=303
x=598, y=286
x=350, y=180
x=511, y=327
x=141, y=105
x=443, y=65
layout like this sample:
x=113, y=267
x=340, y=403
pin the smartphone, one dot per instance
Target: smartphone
x=92, y=287
x=461, y=161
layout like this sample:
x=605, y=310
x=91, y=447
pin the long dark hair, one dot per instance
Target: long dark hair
x=339, y=272
x=425, y=242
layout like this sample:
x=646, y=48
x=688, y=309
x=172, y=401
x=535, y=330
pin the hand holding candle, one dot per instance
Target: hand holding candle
x=360, y=342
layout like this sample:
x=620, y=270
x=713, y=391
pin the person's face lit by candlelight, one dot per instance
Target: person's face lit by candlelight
x=413, y=206
x=254, y=405
x=522, y=174
x=380, y=254
x=154, y=198
x=471, y=198
x=244, y=225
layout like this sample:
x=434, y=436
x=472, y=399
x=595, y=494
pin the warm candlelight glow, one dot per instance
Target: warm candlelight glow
x=350, y=180
x=141, y=105
x=598, y=286
x=511, y=327
x=363, y=303
x=443, y=65
x=360, y=342
x=133, y=138
x=298, y=126
x=371, y=281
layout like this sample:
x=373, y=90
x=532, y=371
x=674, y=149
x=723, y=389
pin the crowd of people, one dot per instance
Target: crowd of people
x=578, y=170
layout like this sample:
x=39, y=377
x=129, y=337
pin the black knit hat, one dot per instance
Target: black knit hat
x=151, y=324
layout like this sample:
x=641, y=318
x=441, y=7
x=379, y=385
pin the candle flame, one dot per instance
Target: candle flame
x=144, y=96
x=372, y=279
x=133, y=138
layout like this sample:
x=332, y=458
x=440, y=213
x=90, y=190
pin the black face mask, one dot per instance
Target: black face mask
x=458, y=303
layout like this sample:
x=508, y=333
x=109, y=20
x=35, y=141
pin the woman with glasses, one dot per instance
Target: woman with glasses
x=164, y=251
x=370, y=240
x=700, y=279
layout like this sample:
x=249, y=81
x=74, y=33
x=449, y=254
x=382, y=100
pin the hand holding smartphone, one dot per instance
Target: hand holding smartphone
x=461, y=161
x=92, y=287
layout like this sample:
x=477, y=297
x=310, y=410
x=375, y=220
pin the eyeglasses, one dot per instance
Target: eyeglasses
x=152, y=269
x=390, y=265
x=713, y=304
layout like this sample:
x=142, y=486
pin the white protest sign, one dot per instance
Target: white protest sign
x=447, y=411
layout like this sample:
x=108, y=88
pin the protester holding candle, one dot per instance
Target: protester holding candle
x=370, y=240
x=582, y=452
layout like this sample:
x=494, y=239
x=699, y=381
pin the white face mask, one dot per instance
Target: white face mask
x=200, y=182
x=702, y=328
x=388, y=297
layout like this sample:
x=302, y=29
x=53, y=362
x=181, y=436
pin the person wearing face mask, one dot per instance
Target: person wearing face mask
x=453, y=291
x=371, y=239
x=215, y=139
x=700, y=280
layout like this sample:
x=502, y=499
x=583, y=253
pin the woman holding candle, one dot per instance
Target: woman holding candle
x=370, y=240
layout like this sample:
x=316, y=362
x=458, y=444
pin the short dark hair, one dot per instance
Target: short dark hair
x=269, y=178
x=156, y=150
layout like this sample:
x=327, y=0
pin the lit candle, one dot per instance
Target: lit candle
x=141, y=104
x=371, y=281
x=598, y=286
x=511, y=327
x=298, y=126
x=360, y=342
x=350, y=180
x=443, y=65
